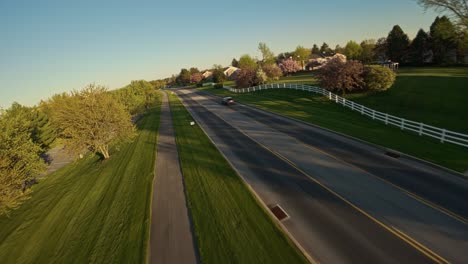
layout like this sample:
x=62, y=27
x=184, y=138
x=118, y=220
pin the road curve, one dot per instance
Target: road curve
x=329, y=230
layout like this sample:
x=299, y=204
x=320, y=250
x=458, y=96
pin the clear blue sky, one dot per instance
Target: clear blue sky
x=47, y=47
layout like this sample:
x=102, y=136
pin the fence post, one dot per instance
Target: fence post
x=442, y=138
x=344, y=102
x=420, y=128
x=336, y=98
x=373, y=114
x=352, y=105
x=386, y=118
x=362, y=110
x=329, y=95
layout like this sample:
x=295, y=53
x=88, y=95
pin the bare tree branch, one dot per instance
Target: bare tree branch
x=458, y=8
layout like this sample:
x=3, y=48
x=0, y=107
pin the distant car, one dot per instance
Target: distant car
x=227, y=101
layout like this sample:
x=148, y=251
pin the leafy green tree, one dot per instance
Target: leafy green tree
x=247, y=62
x=315, y=49
x=158, y=84
x=301, y=54
x=352, y=50
x=380, y=50
x=367, y=50
x=194, y=70
x=268, y=57
x=378, y=78
x=91, y=119
x=397, y=44
x=42, y=133
x=184, y=77
x=444, y=40
x=462, y=47
x=420, y=48
x=458, y=8
x=218, y=74
x=19, y=156
x=137, y=96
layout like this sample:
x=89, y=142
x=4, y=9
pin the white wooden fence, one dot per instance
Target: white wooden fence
x=441, y=134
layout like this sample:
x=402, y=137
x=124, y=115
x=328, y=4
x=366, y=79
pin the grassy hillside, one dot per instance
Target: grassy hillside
x=435, y=96
x=89, y=211
x=230, y=226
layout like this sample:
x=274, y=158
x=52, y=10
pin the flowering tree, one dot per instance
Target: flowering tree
x=260, y=77
x=196, y=77
x=289, y=66
x=272, y=71
x=245, y=78
x=342, y=76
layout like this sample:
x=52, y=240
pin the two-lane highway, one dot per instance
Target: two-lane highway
x=341, y=211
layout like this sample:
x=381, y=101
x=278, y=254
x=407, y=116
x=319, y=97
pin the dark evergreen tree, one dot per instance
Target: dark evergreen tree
x=325, y=48
x=397, y=45
x=420, y=48
x=444, y=40
x=315, y=49
x=234, y=63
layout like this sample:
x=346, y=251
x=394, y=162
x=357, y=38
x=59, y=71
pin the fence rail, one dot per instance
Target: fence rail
x=421, y=129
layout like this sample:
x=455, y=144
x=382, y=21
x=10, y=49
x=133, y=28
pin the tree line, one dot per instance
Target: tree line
x=445, y=43
x=87, y=120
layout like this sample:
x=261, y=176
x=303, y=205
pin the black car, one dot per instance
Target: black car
x=227, y=101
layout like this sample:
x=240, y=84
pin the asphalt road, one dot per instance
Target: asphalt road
x=342, y=204
x=171, y=236
x=437, y=186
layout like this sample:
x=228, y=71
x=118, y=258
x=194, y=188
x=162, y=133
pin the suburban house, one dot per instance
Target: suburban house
x=231, y=72
x=207, y=75
x=316, y=61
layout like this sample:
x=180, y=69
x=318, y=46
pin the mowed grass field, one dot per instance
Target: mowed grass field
x=320, y=111
x=91, y=211
x=230, y=226
x=435, y=96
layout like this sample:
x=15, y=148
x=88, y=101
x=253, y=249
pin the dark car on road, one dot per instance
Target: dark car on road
x=227, y=101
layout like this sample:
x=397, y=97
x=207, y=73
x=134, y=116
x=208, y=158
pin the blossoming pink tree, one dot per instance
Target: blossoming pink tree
x=289, y=66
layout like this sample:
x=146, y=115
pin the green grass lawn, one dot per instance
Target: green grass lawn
x=320, y=111
x=89, y=211
x=230, y=226
x=435, y=96
x=299, y=77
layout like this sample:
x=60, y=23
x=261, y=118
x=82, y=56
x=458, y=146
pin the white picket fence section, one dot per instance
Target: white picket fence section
x=441, y=134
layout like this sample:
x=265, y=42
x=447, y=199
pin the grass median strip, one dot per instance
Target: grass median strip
x=230, y=225
x=89, y=211
x=320, y=111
